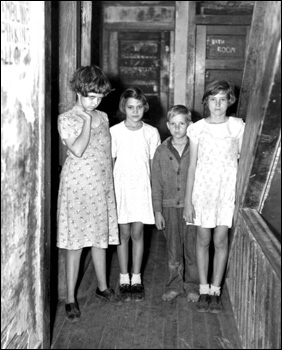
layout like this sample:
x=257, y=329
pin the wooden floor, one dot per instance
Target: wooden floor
x=151, y=324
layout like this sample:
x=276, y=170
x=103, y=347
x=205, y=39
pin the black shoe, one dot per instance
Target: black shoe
x=203, y=303
x=109, y=295
x=215, y=304
x=125, y=292
x=137, y=292
x=72, y=312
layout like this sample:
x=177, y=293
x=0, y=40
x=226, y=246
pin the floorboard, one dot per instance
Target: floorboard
x=151, y=324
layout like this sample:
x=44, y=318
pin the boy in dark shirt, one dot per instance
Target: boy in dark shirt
x=169, y=175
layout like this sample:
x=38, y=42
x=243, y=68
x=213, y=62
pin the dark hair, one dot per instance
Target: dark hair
x=218, y=86
x=90, y=79
x=178, y=109
x=133, y=92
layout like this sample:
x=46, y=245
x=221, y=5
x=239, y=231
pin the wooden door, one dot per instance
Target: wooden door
x=141, y=63
x=140, y=59
x=220, y=54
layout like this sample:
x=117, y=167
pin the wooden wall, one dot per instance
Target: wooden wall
x=254, y=266
x=254, y=283
x=22, y=174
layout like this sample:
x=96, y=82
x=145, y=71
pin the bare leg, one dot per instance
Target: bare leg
x=137, y=246
x=99, y=261
x=220, y=254
x=202, y=253
x=72, y=268
x=122, y=249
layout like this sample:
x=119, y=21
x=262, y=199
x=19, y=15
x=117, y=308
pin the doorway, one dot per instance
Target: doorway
x=140, y=59
x=220, y=54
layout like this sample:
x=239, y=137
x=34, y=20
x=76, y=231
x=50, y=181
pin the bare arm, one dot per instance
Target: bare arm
x=78, y=145
x=189, y=212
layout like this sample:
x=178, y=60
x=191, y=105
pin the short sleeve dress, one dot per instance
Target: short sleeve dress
x=133, y=151
x=214, y=187
x=86, y=214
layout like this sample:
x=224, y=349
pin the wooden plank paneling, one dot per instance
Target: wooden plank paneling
x=225, y=65
x=263, y=119
x=69, y=11
x=254, y=269
x=113, y=54
x=251, y=59
x=227, y=30
x=191, y=56
x=23, y=292
x=46, y=175
x=123, y=16
x=224, y=20
x=181, y=48
x=200, y=67
x=86, y=23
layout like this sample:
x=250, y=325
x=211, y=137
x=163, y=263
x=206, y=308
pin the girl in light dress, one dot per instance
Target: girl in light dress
x=215, y=144
x=133, y=146
x=86, y=215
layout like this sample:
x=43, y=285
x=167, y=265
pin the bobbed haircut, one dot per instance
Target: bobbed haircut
x=133, y=92
x=90, y=79
x=217, y=86
x=178, y=109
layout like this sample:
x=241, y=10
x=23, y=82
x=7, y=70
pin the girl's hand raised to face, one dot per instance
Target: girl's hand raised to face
x=80, y=111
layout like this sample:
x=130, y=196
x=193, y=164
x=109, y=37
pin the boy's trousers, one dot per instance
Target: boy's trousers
x=181, y=250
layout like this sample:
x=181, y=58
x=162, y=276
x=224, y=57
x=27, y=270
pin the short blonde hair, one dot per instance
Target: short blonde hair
x=179, y=109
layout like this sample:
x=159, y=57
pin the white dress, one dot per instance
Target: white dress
x=133, y=151
x=214, y=187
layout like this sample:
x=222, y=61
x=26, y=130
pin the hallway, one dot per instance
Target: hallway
x=152, y=324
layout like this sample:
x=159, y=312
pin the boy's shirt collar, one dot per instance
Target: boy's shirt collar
x=174, y=150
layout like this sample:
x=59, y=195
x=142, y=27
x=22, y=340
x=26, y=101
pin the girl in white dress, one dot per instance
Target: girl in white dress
x=215, y=144
x=133, y=146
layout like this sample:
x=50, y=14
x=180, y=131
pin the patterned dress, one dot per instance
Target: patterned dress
x=133, y=151
x=86, y=213
x=213, y=194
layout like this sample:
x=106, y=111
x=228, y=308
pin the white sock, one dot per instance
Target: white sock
x=124, y=278
x=204, y=289
x=214, y=290
x=136, y=278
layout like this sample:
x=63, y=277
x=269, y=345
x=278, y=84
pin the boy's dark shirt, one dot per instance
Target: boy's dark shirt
x=169, y=175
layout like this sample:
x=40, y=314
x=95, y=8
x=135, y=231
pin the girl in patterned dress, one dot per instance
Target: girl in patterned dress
x=133, y=146
x=86, y=203
x=215, y=144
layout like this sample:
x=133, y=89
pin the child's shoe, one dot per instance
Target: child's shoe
x=125, y=292
x=203, y=303
x=215, y=304
x=72, y=312
x=109, y=295
x=137, y=292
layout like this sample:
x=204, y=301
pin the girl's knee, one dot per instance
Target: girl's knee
x=124, y=236
x=221, y=243
x=137, y=236
x=203, y=241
